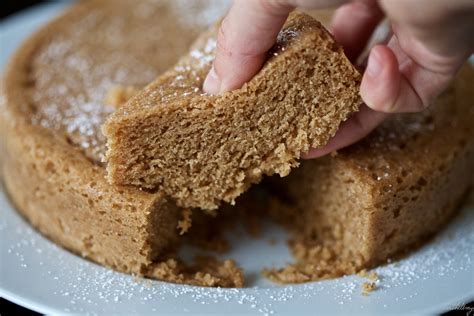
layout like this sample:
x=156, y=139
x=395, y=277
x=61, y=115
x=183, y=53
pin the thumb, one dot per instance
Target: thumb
x=393, y=82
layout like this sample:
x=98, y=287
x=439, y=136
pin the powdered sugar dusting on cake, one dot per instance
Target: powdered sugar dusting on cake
x=188, y=76
x=74, y=70
x=200, y=16
x=204, y=56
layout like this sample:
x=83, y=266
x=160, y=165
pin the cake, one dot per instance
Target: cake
x=64, y=82
x=203, y=149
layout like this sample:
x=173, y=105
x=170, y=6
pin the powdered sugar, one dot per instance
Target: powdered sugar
x=72, y=71
x=205, y=55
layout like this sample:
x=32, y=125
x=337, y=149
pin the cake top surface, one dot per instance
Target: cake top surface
x=185, y=79
x=102, y=44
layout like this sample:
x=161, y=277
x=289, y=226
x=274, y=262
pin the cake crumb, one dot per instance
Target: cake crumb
x=368, y=287
x=205, y=271
x=373, y=276
x=363, y=273
x=118, y=95
x=185, y=224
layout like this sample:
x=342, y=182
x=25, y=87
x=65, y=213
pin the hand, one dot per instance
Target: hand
x=431, y=40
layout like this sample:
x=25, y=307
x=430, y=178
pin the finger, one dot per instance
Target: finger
x=247, y=32
x=353, y=24
x=354, y=129
x=381, y=81
x=394, y=82
x=444, y=27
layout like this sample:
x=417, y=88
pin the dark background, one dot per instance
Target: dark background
x=9, y=7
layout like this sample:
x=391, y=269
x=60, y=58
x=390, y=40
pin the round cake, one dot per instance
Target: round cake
x=349, y=211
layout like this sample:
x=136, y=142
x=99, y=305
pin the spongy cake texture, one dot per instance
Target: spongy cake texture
x=201, y=149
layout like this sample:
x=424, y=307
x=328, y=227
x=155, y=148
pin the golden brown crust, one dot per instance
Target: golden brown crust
x=201, y=149
x=68, y=199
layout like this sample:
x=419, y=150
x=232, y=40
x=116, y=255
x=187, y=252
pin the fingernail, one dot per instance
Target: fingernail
x=374, y=67
x=212, y=83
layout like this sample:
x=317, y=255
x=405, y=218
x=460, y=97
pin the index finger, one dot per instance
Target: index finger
x=247, y=32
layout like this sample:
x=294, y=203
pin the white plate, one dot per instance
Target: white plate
x=39, y=275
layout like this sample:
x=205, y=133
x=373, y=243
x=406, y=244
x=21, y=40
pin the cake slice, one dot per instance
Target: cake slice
x=202, y=149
